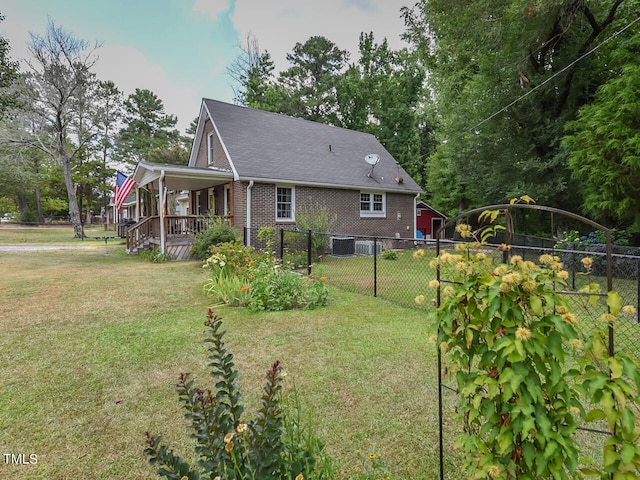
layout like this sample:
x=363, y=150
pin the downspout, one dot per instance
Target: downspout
x=415, y=216
x=248, y=226
x=161, y=198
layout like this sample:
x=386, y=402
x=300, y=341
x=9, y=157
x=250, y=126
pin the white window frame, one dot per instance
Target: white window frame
x=370, y=211
x=292, y=218
x=210, y=148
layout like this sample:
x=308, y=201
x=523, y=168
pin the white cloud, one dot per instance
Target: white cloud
x=211, y=7
x=129, y=69
x=279, y=24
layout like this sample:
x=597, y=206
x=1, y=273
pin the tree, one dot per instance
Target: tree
x=147, y=129
x=487, y=56
x=310, y=83
x=382, y=95
x=8, y=76
x=58, y=113
x=604, y=144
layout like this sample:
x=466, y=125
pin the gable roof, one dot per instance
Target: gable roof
x=276, y=148
x=425, y=205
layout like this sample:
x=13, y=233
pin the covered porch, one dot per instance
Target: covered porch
x=173, y=203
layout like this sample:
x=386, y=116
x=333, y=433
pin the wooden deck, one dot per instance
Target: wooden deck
x=179, y=234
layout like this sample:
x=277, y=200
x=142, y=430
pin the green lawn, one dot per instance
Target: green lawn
x=93, y=342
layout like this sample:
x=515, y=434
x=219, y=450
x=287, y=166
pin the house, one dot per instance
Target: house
x=428, y=220
x=259, y=169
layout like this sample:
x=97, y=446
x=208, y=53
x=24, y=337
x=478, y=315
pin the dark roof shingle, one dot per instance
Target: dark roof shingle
x=271, y=146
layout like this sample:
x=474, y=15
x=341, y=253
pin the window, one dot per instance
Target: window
x=372, y=204
x=210, y=148
x=285, y=203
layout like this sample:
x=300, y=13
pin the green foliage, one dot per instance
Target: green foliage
x=149, y=132
x=320, y=221
x=275, y=288
x=390, y=255
x=604, y=149
x=9, y=70
x=511, y=344
x=218, y=231
x=241, y=276
x=274, y=445
x=231, y=266
x=487, y=56
x=267, y=235
x=153, y=255
x=310, y=82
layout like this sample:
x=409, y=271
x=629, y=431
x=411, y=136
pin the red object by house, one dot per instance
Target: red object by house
x=428, y=220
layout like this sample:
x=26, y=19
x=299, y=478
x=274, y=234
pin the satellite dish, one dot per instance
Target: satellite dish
x=372, y=159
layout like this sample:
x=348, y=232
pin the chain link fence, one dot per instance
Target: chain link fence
x=399, y=270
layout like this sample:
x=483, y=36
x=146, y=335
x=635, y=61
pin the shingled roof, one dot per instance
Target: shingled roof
x=272, y=147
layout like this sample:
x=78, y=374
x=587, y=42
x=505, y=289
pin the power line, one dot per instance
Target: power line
x=554, y=75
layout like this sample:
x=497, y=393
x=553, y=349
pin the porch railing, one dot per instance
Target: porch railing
x=148, y=229
x=142, y=232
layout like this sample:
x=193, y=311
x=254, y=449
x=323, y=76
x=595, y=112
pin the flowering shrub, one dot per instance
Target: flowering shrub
x=241, y=276
x=509, y=336
x=274, y=445
x=218, y=231
x=276, y=288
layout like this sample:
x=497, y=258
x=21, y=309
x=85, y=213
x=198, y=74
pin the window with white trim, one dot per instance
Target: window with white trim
x=210, y=148
x=285, y=204
x=373, y=204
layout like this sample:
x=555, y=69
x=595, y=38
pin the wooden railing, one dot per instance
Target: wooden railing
x=141, y=232
x=185, y=225
x=148, y=229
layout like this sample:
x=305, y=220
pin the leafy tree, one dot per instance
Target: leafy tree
x=310, y=83
x=147, y=127
x=604, y=148
x=8, y=76
x=58, y=115
x=381, y=94
x=487, y=56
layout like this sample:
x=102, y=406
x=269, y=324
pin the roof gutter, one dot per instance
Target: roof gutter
x=248, y=225
x=162, y=206
x=415, y=216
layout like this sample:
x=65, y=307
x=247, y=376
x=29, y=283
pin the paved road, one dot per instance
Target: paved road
x=39, y=248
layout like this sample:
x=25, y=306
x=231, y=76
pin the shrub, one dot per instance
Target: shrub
x=274, y=445
x=390, y=255
x=153, y=255
x=317, y=219
x=218, y=231
x=510, y=338
x=276, y=288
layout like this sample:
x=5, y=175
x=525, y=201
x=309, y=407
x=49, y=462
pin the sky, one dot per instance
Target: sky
x=180, y=49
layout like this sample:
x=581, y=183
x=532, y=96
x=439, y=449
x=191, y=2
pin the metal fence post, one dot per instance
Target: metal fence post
x=309, y=253
x=375, y=267
x=244, y=236
x=282, y=244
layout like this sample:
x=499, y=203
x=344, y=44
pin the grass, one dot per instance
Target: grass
x=93, y=342
x=16, y=234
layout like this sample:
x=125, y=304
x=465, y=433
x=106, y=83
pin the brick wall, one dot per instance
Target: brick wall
x=345, y=204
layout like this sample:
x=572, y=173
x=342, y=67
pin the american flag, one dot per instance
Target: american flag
x=123, y=188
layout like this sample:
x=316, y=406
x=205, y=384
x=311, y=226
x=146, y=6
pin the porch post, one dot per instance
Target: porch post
x=162, y=218
x=137, y=203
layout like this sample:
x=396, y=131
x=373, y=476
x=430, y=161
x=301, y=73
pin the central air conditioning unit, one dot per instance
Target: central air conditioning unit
x=365, y=247
x=343, y=246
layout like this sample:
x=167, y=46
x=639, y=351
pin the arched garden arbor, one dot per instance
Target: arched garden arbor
x=592, y=266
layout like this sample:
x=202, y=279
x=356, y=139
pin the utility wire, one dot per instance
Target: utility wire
x=554, y=75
